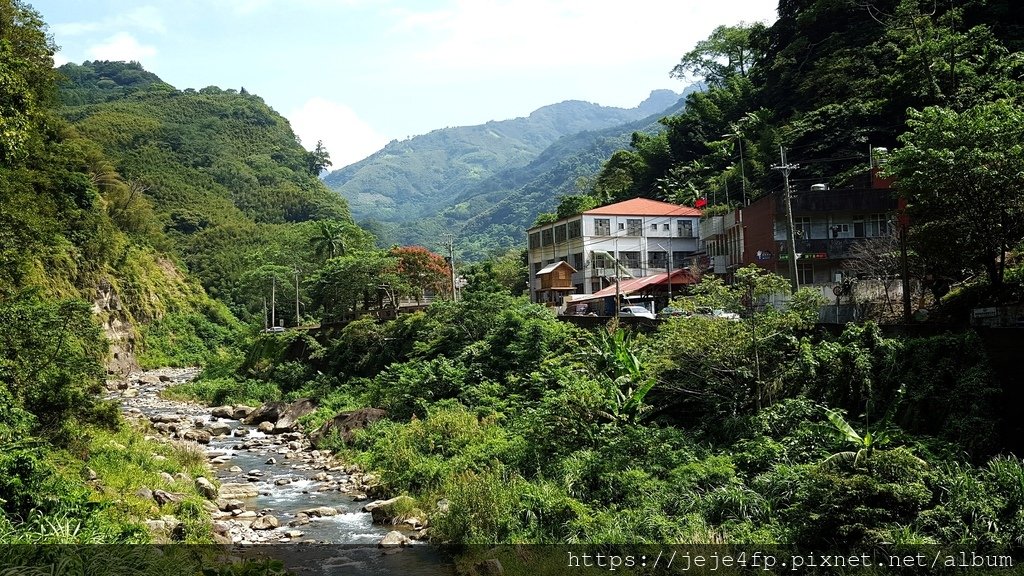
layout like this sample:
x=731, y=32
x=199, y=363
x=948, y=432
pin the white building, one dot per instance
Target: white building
x=642, y=234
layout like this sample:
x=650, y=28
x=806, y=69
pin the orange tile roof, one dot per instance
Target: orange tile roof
x=644, y=207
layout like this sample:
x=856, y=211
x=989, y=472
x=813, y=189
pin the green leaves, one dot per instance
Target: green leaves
x=962, y=174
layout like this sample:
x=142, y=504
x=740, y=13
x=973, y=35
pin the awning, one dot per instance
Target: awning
x=630, y=286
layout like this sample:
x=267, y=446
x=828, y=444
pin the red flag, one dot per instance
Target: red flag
x=701, y=202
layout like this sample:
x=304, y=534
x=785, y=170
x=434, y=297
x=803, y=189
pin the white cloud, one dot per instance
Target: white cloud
x=247, y=7
x=347, y=137
x=121, y=46
x=143, y=18
x=59, y=60
x=548, y=34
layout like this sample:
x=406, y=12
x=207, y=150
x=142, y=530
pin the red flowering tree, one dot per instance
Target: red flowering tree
x=421, y=270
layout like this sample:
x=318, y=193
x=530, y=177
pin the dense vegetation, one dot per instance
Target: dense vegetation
x=504, y=424
x=233, y=193
x=704, y=431
x=938, y=83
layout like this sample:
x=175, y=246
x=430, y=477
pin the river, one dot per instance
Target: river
x=316, y=502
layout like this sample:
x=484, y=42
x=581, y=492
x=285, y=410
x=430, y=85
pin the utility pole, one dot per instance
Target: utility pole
x=787, y=195
x=273, y=296
x=449, y=240
x=297, y=322
x=265, y=321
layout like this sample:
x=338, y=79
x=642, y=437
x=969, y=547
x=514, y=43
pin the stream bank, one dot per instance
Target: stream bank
x=276, y=489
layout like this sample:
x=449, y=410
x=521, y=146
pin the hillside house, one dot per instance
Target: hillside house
x=828, y=226
x=634, y=238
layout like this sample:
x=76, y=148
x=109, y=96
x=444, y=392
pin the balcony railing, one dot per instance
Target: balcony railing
x=832, y=248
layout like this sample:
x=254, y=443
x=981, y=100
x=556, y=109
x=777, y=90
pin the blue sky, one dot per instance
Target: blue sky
x=358, y=73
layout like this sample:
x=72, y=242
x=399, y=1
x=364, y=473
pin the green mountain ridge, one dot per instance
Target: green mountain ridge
x=410, y=179
x=490, y=216
x=231, y=188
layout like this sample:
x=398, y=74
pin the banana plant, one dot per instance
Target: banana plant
x=862, y=447
x=614, y=358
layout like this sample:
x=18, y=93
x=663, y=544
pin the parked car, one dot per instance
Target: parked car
x=671, y=312
x=274, y=329
x=636, y=311
x=717, y=313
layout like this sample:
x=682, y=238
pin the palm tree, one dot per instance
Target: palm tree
x=331, y=242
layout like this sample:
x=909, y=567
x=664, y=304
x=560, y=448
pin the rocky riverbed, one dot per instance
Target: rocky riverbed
x=274, y=487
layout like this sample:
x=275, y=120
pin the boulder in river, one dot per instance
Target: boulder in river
x=320, y=511
x=387, y=511
x=220, y=428
x=223, y=411
x=266, y=522
x=269, y=412
x=393, y=539
x=242, y=412
x=289, y=418
x=237, y=491
x=200, y=436
x=266, y=427
x=346, y=424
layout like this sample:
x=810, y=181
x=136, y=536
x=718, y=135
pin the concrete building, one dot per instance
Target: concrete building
x=645, y=237
x=828, y=224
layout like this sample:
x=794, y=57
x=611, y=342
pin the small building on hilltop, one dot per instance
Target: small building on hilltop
x=554, y=283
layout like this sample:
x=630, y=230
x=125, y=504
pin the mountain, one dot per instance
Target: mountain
x=490, y=215
x=412, y=179
x=229, y=190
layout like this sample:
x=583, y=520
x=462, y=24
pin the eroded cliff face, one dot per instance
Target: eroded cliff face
x=118, y=329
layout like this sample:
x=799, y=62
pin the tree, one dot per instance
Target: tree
x=318, y=159
x=573, y=204
x=962, y=174
x=717, y=365
x=330, y=242
x=27, y=78
x=420, y=270
x=344, y=281
x=728, y=51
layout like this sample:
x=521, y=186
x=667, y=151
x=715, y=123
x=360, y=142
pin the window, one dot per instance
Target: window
x=657, y=259
x=534, y=240
x=877, y=225
x=577, y=261
x=665, y=227
x=679, y=259
x=575, y=228
x=630, y=259
x=602, y=227
x=560, y=233
x=684, y=228
x=654, y=227
x=546, y=237
x=537, y=267
x=634, y=227
x=805, y=273
x=802, y=227
x=622, y=226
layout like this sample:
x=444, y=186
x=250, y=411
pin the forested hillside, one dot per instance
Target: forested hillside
x=936, y=85
x=234, y=194
x=84, y=285
x=414, y=178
